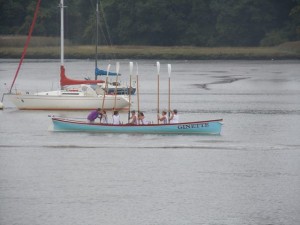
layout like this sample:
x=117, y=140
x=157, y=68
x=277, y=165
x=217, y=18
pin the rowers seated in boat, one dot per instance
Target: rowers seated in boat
x=116, y=118
x=103, y=116
x=141, y=119
x=174, y=118
x=163, y=118
x=94, y=115
x=133, y=119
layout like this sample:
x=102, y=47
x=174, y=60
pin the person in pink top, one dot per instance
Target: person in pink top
x=163, y=118
x=141, y=119
x=133, y=118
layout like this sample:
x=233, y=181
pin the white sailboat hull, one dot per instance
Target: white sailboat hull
x=60, y=102
x=82, y=97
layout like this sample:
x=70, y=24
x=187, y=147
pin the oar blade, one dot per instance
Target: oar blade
x=137, y=68
x=108, y=68
x=158, y=67
x=130, y=67
x=169, y=69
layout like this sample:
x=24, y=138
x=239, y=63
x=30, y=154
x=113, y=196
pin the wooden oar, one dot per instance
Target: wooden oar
x=130, y=72
x=169, y=105
x=106, y=86
x=158, y=69
x=116, y=88
x=137, y=88
x=97, y=39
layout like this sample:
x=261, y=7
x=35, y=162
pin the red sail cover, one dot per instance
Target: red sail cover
x=64, y=80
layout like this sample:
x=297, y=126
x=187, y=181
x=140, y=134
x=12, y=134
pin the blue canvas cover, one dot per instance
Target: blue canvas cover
x=99, y=72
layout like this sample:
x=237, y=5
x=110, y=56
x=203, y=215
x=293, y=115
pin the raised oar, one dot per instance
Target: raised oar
x=169, y=105
x=137, y=87
x=106, y=85
x=116, y=88
x=97, y=38
x=130, y=72
x=158, y=69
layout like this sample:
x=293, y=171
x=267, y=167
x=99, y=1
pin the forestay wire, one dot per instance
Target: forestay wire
x=106, y=26
x=26, y=43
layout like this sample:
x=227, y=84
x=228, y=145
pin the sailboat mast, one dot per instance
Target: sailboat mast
x=97, y=34
x=61, y=5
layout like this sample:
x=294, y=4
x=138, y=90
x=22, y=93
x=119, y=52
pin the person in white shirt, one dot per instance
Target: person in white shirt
x=116, y=118
x=174, y=117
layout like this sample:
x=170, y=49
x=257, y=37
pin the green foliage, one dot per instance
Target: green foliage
x=160, y=22
x=295, y=17
x=274, y=38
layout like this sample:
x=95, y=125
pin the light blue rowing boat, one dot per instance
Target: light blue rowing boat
x=198, y=127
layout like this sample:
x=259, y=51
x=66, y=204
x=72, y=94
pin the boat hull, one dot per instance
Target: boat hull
x=198, y=127
x=60, y=102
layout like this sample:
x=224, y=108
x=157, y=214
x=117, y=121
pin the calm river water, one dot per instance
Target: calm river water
x=250, y=174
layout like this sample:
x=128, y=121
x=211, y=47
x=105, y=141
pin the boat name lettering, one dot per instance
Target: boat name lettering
x=191, y=126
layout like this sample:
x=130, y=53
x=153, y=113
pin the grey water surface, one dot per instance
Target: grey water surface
x=250, y=174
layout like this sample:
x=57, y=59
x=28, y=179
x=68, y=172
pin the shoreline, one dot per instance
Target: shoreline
x=282, y=52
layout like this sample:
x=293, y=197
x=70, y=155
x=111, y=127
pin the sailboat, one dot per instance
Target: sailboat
x=211, y=127
x=84, y=96
x=112, y=86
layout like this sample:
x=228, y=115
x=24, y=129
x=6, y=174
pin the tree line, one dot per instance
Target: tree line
x=160, y=22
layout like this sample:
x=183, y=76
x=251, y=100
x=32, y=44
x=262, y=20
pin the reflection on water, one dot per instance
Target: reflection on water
x=221, y=80
x=247, y=175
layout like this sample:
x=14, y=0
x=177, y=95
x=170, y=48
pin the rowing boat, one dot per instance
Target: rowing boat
x=197, y=127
